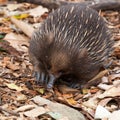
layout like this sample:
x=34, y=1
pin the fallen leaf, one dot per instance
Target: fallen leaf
x=13, y=66
x=26, y=28
x=64, y=118
x=77, y=97
x=38, y=11
x=115, y=115
x=5, y=45
x=112, y=92
x=12, y=7
x=41, y=90
x=21, y=16
x=55, y=115
x=3, y=2
x=94, y=90
x=104, y=86
x=59, y=108
x=71, y=101
x=101, y=112
x=104, y=79
x=92, y=101
x=104, y=101
x=14, y=87
x=35, y=112
x=24, y=108
x=6, y=59
x=21, y=97
x=5, y=29
x=2, y=36
x=70, y=95
x=65, y=89
x=113, y=76
x=84, y=91
x=17, y=41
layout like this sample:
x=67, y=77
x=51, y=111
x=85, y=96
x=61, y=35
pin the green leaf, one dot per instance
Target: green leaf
x=2, y=36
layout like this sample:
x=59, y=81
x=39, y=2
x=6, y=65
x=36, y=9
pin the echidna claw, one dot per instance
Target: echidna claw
x=37, y=76
x=51, y=81
x=44, y=79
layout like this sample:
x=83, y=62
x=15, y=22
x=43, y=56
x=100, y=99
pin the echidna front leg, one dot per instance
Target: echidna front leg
x=44, y=79
x=51, y=81
x=40, y=77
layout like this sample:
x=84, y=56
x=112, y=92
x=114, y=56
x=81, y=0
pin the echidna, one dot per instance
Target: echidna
x=73, y=40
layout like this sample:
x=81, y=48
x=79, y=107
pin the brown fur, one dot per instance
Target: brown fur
x=72, y=40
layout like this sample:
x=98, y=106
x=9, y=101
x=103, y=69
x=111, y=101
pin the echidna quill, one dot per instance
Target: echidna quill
x=73, y=40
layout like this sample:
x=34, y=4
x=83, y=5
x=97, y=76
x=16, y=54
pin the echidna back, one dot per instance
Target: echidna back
x=75, y=27
x=73, y=40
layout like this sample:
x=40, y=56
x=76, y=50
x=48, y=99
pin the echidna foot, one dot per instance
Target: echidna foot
x=44, y=79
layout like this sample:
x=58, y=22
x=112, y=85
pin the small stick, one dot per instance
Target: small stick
x=95, y=80
x=98, y=76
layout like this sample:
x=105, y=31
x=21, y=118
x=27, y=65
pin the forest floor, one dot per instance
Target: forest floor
x=18, y=88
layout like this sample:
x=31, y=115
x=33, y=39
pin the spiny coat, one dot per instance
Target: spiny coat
x=73, y=40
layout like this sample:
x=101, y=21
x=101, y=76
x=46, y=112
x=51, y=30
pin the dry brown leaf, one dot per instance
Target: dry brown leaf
x=105, y=79
x=70, y=95
x=12, y=7
x=104, y=86
x=14, y=87
x=101, y=112
x=21, y=97
x=38, y=11
x=79, y=96
x=35, y=112
x=93, y=101
x=5, y=29
x=64, y=89
x=17, y=41
x=112, y=92
x=7, y=63
x=71, y=101
x=115, y=115
x=24, y=108
x=27, y=29
x=94, y=90
x=104, y=101
x=113, y=76
x=59, y=108
x=13, y=66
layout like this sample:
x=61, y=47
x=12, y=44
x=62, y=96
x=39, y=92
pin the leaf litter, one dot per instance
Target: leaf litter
x=19, y=92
